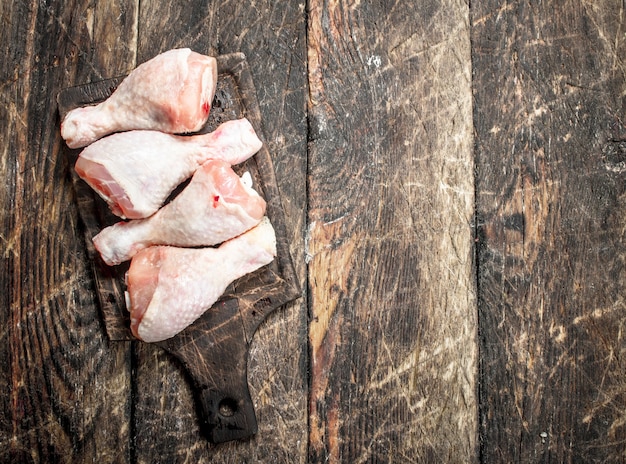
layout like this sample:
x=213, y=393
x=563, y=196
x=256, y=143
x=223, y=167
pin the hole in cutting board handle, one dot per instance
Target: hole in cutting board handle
x=227, y=418
x=227, y=407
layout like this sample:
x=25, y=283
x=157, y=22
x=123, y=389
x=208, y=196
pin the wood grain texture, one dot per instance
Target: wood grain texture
x=56, y=364
x=177, y=24
x=392, y=300
x=549, y=86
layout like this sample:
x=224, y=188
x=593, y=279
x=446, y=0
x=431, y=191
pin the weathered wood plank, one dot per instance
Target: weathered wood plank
x=166, y=420
x=273, y=37
x=66, y=396
x=392, y=297
x=177, y=24
x=550, y=81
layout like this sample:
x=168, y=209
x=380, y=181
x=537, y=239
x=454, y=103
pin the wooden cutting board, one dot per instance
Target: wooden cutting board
x=214, y=349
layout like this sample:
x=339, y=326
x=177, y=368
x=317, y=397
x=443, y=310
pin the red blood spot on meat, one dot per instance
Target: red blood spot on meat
x=216, y=198
x=206, y=107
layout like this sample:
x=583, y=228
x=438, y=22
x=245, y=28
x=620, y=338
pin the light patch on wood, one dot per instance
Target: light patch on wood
x=558, y=332
x=519, y=229
x=333, y=265
x=117, y=37
x=89, y=19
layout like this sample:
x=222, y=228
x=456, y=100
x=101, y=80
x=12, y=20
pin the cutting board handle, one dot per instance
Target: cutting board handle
x=227, y=415
x=215, y=355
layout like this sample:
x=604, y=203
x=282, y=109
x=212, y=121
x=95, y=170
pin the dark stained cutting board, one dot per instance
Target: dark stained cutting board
x=214, y=349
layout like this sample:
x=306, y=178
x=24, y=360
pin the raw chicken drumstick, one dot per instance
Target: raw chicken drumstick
x=170, y=287
x=135, y=171
x=216, y=205
x=173, y=92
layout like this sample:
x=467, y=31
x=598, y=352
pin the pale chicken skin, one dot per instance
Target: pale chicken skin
x=216, y=206
x=173, y=92
x=170, y=287
x=136, y=171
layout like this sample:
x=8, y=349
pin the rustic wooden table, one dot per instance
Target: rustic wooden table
x=453, y=178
